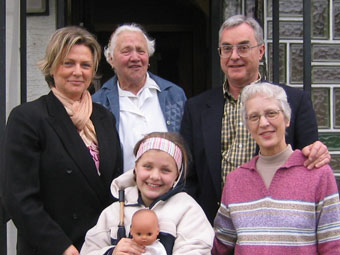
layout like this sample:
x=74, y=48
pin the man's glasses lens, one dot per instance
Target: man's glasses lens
x=243, y=50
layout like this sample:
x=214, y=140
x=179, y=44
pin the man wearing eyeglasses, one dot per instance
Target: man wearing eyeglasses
x=212, y=124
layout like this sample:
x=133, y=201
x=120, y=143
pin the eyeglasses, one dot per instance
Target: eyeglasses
x=269, y=115
x=243, y=50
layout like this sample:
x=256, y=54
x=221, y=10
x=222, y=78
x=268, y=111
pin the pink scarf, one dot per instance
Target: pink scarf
x=80, y=112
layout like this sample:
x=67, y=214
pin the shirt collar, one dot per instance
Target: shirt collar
x=150, y=84
x=226, y=87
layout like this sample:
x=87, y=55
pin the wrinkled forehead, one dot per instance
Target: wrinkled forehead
x=131, y=37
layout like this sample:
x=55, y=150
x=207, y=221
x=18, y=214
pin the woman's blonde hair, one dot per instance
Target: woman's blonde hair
x=177, y=140
x=59, y=45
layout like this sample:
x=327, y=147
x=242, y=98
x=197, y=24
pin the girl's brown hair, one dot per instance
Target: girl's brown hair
x=176, y=139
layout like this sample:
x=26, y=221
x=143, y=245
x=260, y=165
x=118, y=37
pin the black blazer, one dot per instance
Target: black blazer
x=51, y=188
x=201, y=128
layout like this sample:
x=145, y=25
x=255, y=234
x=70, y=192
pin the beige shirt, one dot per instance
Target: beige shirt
x=267, y=166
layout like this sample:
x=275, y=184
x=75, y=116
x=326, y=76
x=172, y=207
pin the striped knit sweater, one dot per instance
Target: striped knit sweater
x=298, y=214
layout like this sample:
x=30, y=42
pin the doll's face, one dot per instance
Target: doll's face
x=144, y=228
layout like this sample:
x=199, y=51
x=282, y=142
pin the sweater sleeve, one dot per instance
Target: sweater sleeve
x=328, y=215
x=225, y=232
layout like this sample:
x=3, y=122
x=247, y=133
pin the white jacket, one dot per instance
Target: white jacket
x=179, y=216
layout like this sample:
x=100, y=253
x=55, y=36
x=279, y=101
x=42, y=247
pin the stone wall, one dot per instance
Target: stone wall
x=39, y=30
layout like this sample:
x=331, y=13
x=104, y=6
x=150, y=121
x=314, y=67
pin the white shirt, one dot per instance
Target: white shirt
x=156, y=248
x=139, y=115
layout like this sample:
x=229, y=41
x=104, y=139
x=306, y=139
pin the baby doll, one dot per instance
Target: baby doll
x=144, y=231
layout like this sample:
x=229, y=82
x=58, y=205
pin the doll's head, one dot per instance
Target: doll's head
x=144, y=227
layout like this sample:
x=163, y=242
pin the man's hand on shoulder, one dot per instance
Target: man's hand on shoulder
x=317, y=155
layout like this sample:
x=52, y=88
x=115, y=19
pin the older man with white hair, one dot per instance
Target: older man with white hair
x=140, y=101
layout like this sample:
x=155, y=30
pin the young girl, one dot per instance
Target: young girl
x=156, y=183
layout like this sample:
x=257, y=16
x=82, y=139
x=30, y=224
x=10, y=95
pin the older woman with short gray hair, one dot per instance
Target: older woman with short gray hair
x=273, y=204
x=270, y=91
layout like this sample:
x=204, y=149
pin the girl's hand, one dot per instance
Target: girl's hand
x=127, y=246
x=71, y=250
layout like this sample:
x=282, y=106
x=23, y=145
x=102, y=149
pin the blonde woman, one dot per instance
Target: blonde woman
x=61, y=152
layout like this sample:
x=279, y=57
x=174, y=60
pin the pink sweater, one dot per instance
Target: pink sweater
x=298, y=214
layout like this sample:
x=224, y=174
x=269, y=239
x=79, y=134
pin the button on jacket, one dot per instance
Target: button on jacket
x=51, y=188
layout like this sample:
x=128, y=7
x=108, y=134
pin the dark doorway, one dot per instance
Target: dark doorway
x=179, y=27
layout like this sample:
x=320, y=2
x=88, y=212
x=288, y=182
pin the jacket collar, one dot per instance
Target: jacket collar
x=74, y=145
x=113, y=96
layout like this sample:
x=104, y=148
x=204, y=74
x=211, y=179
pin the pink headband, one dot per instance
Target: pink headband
x=158, y=143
